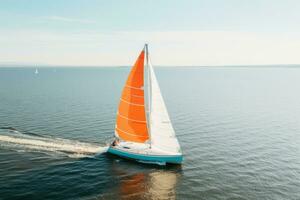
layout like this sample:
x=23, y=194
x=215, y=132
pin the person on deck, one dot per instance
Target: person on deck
x=115, y=142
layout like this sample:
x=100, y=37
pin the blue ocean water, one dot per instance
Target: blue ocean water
x=239, y=129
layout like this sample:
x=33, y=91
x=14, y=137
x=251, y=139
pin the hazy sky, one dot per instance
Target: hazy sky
x=179, y=32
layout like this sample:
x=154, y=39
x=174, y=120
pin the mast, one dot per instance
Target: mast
x=149, y=91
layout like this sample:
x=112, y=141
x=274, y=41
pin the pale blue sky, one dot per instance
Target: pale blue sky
x=191, y=32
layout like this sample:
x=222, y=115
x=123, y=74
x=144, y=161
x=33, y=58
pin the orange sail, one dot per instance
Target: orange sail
x=131, y=123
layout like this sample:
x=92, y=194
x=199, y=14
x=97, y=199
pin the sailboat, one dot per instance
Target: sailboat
x=36, y=71
x=143, y=130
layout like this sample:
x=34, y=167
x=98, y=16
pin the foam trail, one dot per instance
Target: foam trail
x=72, y=148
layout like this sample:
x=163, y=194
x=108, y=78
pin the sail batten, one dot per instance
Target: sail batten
x=132, y=134
x=136, y=104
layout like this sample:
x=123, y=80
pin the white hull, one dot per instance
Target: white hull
x=143, y=153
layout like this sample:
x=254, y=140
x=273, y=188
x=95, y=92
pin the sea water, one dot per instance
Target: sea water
x=239, y=129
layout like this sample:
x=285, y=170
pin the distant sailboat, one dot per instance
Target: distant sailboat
x=143, y=130
x=36, y=71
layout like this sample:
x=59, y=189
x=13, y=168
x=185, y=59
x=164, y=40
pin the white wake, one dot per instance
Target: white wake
x=19, y=141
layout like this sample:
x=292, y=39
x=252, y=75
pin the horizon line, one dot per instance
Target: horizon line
x=108, y=66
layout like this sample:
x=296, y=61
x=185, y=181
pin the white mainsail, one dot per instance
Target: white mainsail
x=162, y=135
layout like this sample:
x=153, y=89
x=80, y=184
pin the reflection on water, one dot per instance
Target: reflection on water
x=134, y=186
x=162, y=185
x=154, y=185
x=151, y=183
